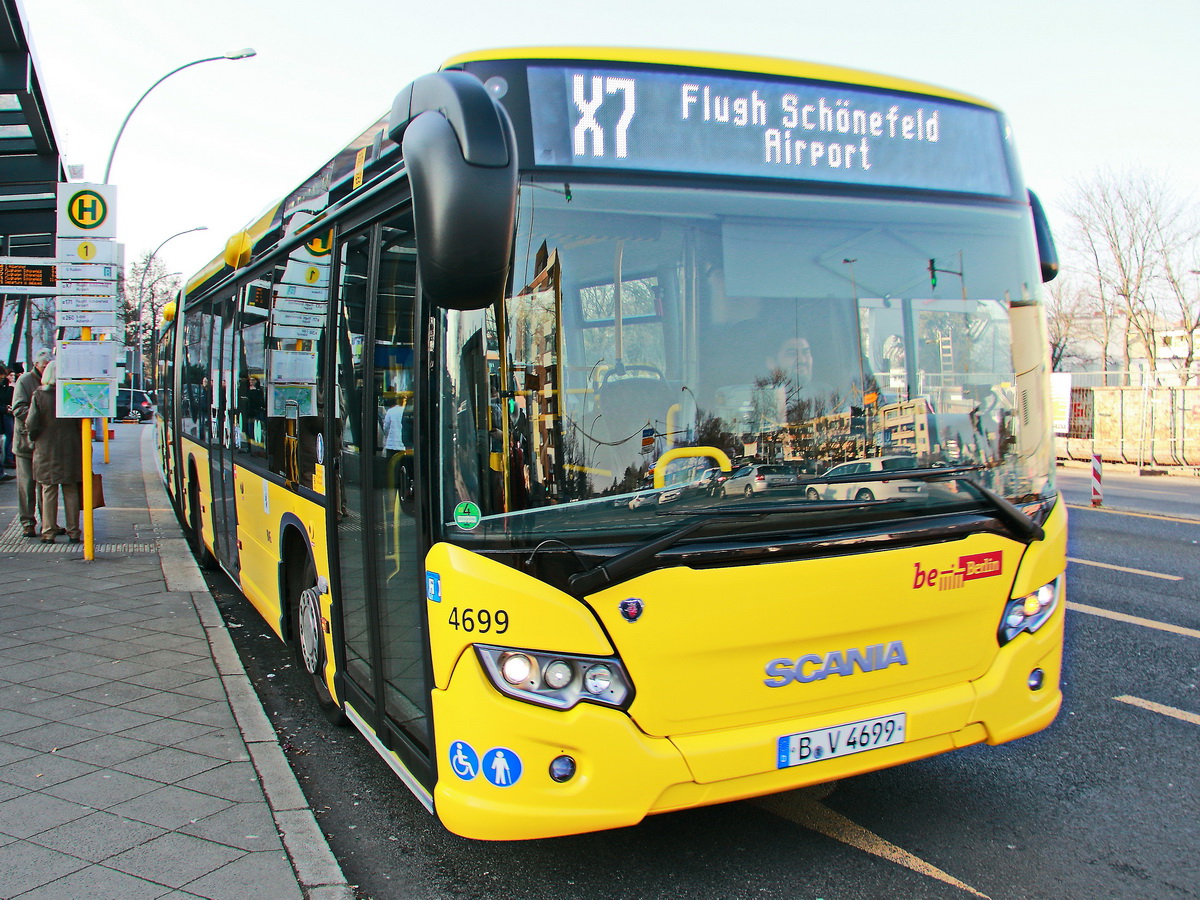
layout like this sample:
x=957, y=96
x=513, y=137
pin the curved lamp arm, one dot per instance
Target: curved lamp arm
x=237, y=54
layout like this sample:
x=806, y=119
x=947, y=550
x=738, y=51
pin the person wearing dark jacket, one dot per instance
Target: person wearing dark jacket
x=8, y=460
x=57, y=459
x=29, y=497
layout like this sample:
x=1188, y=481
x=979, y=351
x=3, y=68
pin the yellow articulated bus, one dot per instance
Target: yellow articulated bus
x=614, y=432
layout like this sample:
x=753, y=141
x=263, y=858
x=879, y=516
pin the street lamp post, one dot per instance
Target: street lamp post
x=237, y=54
x=141, y=300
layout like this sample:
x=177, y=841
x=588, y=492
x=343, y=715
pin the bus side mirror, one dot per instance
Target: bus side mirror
x=1045, y=240
x=461, y=156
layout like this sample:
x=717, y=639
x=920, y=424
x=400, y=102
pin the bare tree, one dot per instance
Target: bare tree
x=1121, y=224
x=1068, y=314
x=1179, y=246
x=148, y=289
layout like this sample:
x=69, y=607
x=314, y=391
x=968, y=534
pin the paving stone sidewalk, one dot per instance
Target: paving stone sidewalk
x=135, y=759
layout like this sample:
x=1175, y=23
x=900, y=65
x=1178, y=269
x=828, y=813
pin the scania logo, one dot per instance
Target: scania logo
x=812, y=667
x=969, y=568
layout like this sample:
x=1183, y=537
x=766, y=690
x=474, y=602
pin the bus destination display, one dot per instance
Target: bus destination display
x=703, y=123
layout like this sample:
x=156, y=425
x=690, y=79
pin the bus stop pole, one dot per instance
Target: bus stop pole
x=89, y=531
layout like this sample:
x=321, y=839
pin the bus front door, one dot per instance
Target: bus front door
x=381, y=579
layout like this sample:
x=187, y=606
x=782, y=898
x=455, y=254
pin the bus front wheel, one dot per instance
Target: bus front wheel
x=309, y=640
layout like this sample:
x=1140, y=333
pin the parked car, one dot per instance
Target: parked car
x=881, y=489
x=754, y=479
x=132, y=403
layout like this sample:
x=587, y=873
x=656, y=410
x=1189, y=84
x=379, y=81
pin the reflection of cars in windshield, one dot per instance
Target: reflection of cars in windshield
x=883, y=489
x=750, y=480
x=710, y=480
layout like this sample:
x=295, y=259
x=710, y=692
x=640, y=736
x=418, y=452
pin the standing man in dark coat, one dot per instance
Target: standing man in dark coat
x=7, y=385
x=29, y=498
x=57, y=459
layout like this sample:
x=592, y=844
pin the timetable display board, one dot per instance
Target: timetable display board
x=704, y=122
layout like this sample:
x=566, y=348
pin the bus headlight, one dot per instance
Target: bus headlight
x=1029, y=613
x=556, y=680
x=517, y=668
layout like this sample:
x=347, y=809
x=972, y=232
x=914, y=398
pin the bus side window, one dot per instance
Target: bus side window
x=296, y=329
x=195, y=401
x=252, y=375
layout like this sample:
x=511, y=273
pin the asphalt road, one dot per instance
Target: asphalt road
x=1103, y=804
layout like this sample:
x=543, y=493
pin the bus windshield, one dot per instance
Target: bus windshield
x=668, y=349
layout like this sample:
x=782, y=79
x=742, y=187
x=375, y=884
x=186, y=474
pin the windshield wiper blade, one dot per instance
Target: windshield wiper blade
x=1008, y=512
x=586, y=582
x=1005, y=509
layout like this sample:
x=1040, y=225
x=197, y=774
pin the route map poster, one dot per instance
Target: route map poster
x=92, y=399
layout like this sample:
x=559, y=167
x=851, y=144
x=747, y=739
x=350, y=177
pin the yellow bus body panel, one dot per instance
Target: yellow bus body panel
x=620, y=773
x=263, y=509
x=260, y=526
x=196, y=454
x=539, y=616
x=730, y=62
x=719, y=722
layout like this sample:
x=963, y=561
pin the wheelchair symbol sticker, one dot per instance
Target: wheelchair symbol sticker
x=502, y=767
x=464, y=760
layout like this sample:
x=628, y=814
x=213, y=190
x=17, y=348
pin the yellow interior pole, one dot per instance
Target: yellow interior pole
x=104, y=429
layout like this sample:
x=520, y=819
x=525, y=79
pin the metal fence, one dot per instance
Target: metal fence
x=1143, y=425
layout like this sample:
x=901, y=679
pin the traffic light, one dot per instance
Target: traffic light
x=932, y=274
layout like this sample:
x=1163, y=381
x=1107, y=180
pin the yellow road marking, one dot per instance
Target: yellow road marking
x=1159, y=708
x=1088, y=562
x=1133, y=620
x=804, y=807
x=1121, y=512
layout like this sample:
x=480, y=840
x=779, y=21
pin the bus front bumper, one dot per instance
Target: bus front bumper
x=495, y=753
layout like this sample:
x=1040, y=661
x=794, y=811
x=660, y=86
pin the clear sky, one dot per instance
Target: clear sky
x=1087, y=84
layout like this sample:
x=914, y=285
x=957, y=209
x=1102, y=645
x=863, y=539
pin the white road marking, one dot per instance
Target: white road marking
x=1100, y=565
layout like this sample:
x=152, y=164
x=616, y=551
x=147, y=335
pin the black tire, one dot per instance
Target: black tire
x=203, y=555
x=812, y=494
x=749, y=492
x=308, y=639
x=864, y=494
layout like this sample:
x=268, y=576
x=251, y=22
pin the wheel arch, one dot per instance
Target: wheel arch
x=295, y=553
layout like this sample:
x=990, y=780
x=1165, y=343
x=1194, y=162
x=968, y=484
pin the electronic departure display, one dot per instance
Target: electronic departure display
x=704, y=123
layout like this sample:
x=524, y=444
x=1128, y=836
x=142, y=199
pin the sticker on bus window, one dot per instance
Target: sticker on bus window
x=467, y=515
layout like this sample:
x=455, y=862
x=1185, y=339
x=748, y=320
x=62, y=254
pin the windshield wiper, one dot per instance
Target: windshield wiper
x=1007, y=511
x=583, y=583
x=590, y=580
